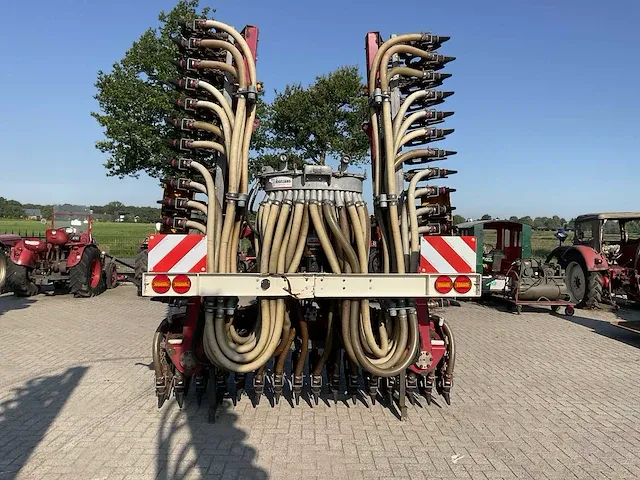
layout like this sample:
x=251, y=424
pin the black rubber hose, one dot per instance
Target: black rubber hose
x=317, y=371
x=279, y=370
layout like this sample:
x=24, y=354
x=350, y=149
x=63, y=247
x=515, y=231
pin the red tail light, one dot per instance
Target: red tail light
x=462, y=284
x=443, y=284
x=160, y=284
x=181, y=284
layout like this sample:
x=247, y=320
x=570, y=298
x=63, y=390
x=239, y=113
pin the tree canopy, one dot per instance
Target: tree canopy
x=307, y=123
x=324, y=119
x=135, y=100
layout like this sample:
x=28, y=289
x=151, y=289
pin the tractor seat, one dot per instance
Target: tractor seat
x=498, y=256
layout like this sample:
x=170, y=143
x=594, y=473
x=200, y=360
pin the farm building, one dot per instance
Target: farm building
x=33, y=213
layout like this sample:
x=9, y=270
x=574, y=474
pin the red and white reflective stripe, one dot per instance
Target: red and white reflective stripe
x=174, y=253
x=447, y=255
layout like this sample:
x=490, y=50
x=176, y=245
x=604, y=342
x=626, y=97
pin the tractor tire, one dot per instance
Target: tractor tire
x=3, y=270
x=584, y=287
x=111, y=275
x=576, y=280
x=85, y=278
x=141, y=265
x=18, y=281
x=594, y=290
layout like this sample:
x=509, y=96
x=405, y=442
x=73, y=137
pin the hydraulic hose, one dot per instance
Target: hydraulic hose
x=328, y=344
x=209, y=231
x=414, y=256
x=314, y=210
x=219, y=97
x=417, y=153
x=197, y=206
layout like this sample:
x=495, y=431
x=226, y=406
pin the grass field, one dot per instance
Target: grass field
x=119, y=239
x=541, y=242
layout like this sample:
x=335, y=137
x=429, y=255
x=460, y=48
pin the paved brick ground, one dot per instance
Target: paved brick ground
x=536, y=396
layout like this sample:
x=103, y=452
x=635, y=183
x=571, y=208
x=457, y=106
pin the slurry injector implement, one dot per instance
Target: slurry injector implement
x=341, y=300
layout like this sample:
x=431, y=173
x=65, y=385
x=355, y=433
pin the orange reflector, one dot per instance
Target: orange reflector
x=160, y=284
x=181, y=284
x=443, y=284
x=462, y=284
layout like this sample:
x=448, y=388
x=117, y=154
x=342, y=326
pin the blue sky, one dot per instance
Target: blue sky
x=546, y=102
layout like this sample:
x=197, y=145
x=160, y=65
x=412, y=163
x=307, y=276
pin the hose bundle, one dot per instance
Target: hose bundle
x=314, y=220
x=405, y=70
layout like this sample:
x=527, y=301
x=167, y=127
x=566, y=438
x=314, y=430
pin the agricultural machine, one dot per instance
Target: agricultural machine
x=604, y=261
x=509, y=272
x=67, y=257
x=326, y=319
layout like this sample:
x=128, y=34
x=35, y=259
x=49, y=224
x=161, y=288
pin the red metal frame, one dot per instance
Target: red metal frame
x=250, y=34
x=176, y=351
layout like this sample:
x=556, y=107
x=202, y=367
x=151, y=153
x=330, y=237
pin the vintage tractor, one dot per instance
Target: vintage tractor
x=603, y=262
x=67, y=257
x=509, y=272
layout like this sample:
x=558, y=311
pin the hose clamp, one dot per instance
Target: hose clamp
x=232, y=197
x=231, y=305
x=242, y=200
x=192, y=64
x=392, y=199
x=250, y=93
x=209, y=305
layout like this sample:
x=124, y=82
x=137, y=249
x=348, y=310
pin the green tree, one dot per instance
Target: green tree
x=11, y=208
x=457, y=219
x=513, y=218
x=528, y=220
x=135, y=100
x=310, y=124
x=486, y=216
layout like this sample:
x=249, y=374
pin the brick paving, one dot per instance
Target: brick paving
x=536, y=396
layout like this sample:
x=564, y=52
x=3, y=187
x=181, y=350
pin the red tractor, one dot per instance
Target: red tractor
x=68, y=256
x=604, y=261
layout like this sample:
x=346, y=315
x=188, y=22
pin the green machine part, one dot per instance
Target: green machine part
x=519, y=234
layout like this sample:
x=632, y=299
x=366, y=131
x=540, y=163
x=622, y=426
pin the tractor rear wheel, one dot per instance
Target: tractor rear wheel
x=18, y=281
x=576, y=279
x=3, y=270
x=141, y=265
x=585, y=288
x=85, y=278
x=111, y=274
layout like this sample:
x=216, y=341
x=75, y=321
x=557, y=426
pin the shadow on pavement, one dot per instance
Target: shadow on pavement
x=608, y=329
x=188, y=446
x=28, y=413
x=10, y=302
